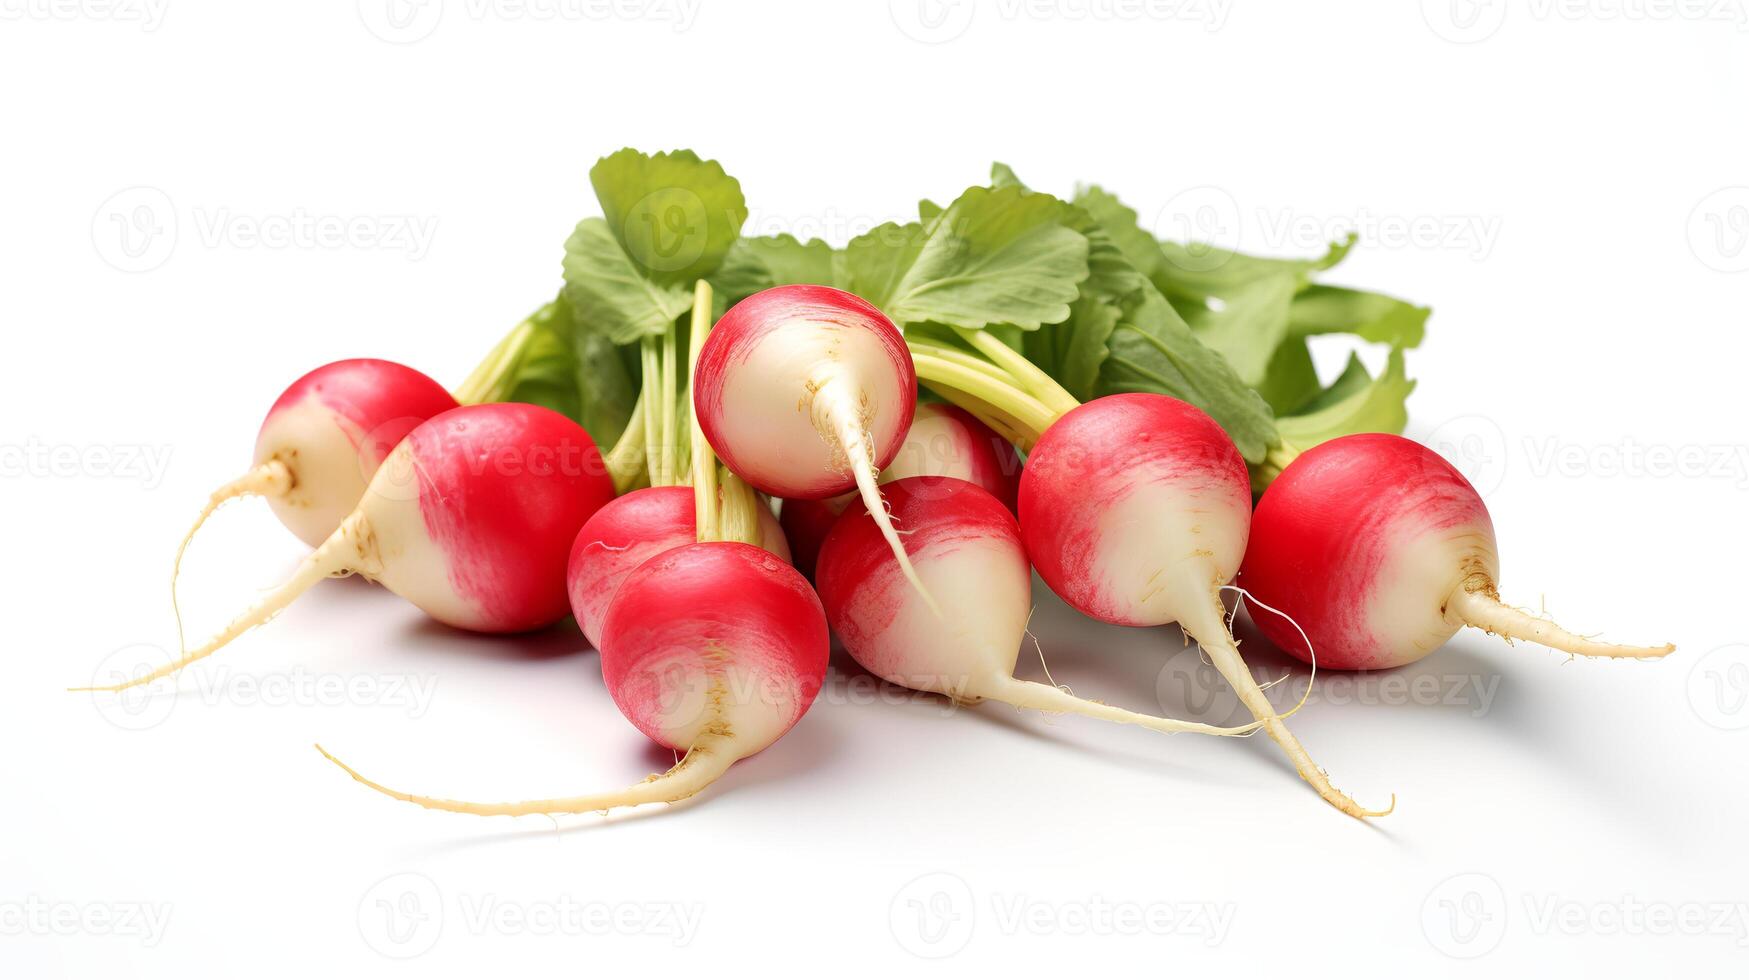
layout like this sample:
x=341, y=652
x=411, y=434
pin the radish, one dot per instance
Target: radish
x=629, y=531
x=967, y=549
x=470, y=518
x=322, y=441
x=944, y=440
x=715, y=649
x=1381, y=551
x=806, y=392
x=1135, y=509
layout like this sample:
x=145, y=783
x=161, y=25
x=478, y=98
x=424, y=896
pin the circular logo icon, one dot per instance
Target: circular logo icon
x=1718, y=230
x=1476, y=445
x=933, y=915
x=135, y=229
x=1206, y=221
x=136, y=708
x=401, y=916
x=932, y=21
x=401, y=21
x=667, y=229
x=1464, y=21
x=1464, y=916
x=1189, y=687
x=1718, y=687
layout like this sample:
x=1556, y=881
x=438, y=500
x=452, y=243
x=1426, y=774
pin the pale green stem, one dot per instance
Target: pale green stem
x=1032, y=380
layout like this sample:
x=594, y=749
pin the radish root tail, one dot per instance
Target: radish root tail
x=1045, y=697
x=1208, y=628
x=708, y=758
x=843, y=423
x=271, y=479
x=1480, y=606
x=350, y=549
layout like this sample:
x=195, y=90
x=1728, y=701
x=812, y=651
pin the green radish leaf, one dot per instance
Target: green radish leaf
x=1248, y=325
x=754, y=264
x=1292, y=379
x=1121, y=223
x=875, y=261
x=993, y=257
x=1355, y=403
x=607, y=291
x=1152, y=349
x=1002, y=175
x=1198, y=272
x=1370, y=316
x=674, y=215
x=1071, y=352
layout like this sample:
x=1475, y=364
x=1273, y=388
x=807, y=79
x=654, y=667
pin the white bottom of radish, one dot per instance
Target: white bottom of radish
x=322, y=450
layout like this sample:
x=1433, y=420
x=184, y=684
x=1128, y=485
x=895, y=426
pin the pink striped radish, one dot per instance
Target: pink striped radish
x=1135, y=509
x=806, y=392
x=967, y=549
x=470, y=518
x=1380, y=550
x=944, y=440
x=629, y=531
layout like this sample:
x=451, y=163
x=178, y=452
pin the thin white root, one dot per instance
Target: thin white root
x=1483, y=609
x=844, y=423
x=1044, y=697
x=705, y=762
x=1207, y=626
x=270, y=479
x=349, y=549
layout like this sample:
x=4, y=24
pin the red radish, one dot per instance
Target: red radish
x=1381, y=551
x=1135, y=509
x=967, y=549
x=323, y=440
x=716, y=649
x=806, y=392
x=944, y=440
x=629, y=531
x=470, y=518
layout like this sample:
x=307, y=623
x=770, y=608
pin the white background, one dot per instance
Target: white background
x=1574, y=178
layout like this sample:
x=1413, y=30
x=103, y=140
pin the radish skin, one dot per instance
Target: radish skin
x=469, y=518
x=944, y=440
x=967, y=548
x=806, y=392
x=715, y=649
x=629, y=531
x=1381, y=551
x=1135, y=509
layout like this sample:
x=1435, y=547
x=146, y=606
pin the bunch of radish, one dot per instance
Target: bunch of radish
x=919, y=524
